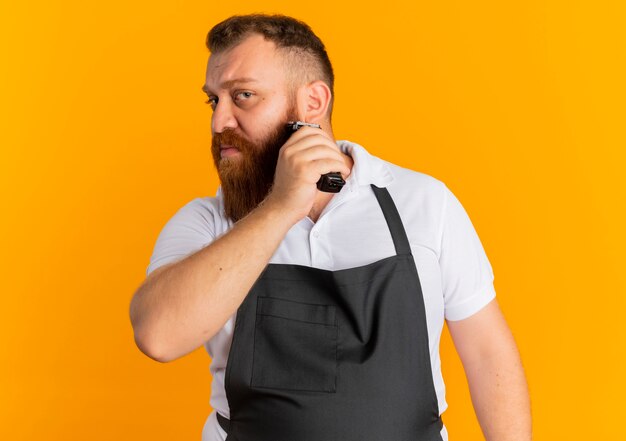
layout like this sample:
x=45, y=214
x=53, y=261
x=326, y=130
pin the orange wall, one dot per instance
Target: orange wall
x=517, y=106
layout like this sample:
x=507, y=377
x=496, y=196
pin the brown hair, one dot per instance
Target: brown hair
x=306, y=55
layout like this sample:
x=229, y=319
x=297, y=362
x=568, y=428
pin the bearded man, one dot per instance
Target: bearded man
x=322, y=312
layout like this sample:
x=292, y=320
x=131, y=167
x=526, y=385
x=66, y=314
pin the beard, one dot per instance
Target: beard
x=247, y=178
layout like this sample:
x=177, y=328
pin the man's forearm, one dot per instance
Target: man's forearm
x=185, y=305
x=500, y=397
x=495, y=374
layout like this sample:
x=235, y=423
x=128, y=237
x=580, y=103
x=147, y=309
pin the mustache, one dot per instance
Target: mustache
x=229, y=137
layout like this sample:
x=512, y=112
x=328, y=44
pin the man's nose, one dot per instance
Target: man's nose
x=223, y=117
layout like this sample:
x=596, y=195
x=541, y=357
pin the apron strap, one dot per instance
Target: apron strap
x=398, y=234
x=224, y=422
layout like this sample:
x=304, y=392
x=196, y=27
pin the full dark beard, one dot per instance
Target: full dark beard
x=247, y=178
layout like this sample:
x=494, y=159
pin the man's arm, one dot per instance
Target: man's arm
x=182, y=305
x=495, y=374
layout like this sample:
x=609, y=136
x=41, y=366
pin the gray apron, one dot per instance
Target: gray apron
x=322, y=355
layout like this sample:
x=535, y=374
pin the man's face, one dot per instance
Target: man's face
x=252, y=101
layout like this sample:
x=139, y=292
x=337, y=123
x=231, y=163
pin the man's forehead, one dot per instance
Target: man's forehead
x=253, y=60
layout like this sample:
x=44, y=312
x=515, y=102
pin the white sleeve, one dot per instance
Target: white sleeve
x=467, y=276
x=190, y=229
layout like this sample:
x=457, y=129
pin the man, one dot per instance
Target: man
x=322, y=312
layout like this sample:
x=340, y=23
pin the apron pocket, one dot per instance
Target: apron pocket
x=295, y=346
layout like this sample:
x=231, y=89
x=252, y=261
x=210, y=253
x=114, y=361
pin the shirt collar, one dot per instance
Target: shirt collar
x=367, y=169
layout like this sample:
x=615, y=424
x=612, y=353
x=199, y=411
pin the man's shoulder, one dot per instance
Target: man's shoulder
x=413, y=181
x=380, y=171
x=204, y=209
x=420, y=199
x=202, y=204
x=414, y=175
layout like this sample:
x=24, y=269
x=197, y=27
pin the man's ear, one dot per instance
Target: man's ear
x=315, y=98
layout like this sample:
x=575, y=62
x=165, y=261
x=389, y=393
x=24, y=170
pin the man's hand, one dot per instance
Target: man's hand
x=495, y=374
x=308, y=154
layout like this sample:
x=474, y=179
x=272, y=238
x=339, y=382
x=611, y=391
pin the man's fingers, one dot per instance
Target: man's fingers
x=309, y=160
x=307, y=136
x=311, y=153
x=323, y=166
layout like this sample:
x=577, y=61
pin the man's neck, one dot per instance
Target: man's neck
x=321, y=200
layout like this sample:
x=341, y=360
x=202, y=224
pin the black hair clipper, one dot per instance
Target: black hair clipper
x=330, y=182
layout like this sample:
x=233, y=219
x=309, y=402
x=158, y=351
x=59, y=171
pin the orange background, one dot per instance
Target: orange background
x=517, y=106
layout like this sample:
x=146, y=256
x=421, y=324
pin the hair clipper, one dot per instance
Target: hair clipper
x=330, y=182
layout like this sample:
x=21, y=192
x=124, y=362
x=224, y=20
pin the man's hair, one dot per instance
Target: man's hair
x=304, y=52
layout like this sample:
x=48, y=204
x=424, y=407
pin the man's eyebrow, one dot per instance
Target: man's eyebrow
x=230, y=83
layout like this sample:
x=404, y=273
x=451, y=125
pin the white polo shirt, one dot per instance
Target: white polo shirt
x=455, y=274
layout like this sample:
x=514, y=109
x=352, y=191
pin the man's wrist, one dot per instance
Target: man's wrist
x=273, y=207
x=277, y=215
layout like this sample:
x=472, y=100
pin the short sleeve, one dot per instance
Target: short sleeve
x=189, y=230
x=467, y=276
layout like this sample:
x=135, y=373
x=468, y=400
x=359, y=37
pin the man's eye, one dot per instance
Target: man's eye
x=212, y=102
x=243, y=95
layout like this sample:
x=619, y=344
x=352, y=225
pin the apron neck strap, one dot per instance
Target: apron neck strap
x=398, y=234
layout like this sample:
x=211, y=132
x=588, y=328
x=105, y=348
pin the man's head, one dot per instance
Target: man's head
x=303, y=54
x=263, y=71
